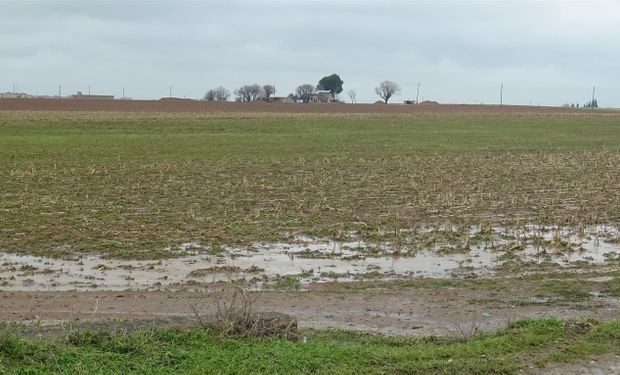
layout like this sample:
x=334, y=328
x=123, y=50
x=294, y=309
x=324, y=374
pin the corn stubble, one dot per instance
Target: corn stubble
x=124, y=202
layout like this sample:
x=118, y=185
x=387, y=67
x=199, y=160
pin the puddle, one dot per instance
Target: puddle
x=600, y=279
x=29, y=273
x=308, y=260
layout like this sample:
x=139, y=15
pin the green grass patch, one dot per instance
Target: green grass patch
x=613, y=287
x=164, y=351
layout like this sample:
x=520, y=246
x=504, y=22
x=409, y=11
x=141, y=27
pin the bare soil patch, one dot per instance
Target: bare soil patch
x=202, y=106
x=448, y=307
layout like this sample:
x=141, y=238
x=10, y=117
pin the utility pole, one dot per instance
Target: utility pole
x=501, y=94
x=417, y=94
x=170, y=92
x=88, y=90
x=593, y=94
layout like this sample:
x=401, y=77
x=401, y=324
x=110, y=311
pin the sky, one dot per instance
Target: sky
x=543, y=52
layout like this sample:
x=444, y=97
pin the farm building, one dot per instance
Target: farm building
x=282, y=99
x=14, y=95
x=79, y=95
x=321, y=96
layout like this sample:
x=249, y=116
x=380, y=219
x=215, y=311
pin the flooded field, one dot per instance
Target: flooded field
x=399, y=224
x=308, y=260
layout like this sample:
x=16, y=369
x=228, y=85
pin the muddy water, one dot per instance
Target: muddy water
x=307, y=259
x=29, y=273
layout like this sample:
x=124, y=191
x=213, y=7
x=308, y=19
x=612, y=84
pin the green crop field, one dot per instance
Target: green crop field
x=130, y=184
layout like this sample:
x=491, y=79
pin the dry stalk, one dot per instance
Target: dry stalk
x=235, y=313
x=463, y=331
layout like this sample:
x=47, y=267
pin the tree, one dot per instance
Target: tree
x=304, y=92
x=242, y=94
x=387, y=89
x=352, y=95
x=591, y=104
x=219, y=94
x=331, y=83
x=249, y=93
x=268, y=90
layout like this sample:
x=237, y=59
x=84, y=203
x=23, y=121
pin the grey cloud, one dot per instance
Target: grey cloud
x=547, y=52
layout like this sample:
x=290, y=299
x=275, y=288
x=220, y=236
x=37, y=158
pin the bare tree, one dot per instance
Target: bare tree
x=387, y=89
x=222, y=94
x=304, y=92
x=352, y=95
x=219, y=94
x=249, y=93
x=242, y=94
x=256, y=92
x=268, y=90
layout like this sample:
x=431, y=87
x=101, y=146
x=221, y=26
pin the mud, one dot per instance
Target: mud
x=311, y=260
x=452, y=311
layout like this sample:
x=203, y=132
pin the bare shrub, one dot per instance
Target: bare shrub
x=463, y=331
x=235, y=312
x=235, y=316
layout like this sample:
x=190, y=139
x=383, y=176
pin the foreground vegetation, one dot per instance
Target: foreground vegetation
x=128, y=184
x=522, y=345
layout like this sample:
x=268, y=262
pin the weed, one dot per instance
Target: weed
x=287, y=282
x=613, y=288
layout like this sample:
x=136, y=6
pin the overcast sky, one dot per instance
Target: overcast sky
x=545, y=53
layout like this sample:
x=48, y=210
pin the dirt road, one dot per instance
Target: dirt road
x=443, y=311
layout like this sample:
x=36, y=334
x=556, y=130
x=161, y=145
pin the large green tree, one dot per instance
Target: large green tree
x=333, y=83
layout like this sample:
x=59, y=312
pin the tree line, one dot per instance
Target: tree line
x=591, y=104
x=304, y=93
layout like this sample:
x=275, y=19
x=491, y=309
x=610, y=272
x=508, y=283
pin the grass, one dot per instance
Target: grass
x=127, y=184
x=197, y=351
x=558, y=287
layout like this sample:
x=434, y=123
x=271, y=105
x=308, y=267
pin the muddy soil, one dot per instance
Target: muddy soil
x=455, y=311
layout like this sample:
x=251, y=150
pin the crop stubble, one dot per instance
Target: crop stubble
x=129, y=184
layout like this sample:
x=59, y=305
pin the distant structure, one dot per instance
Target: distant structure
x=174, y=98
x=14, y=95
x=79, y=95
x=282, y=99
x=321, y=96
